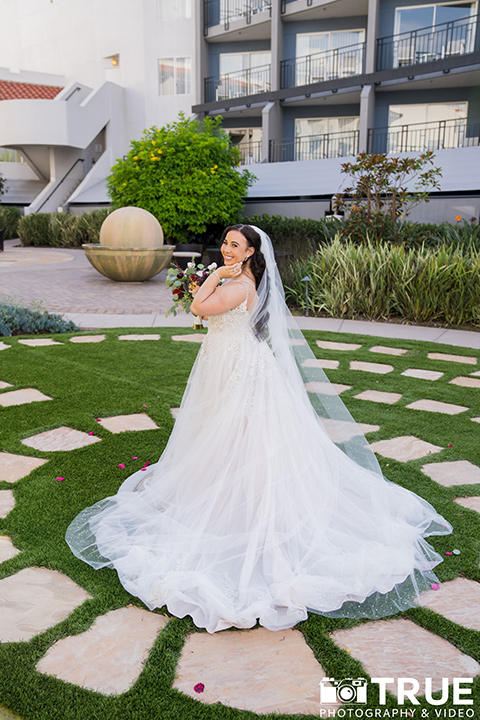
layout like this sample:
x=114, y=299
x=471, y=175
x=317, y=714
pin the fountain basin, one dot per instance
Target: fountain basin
x=128, y=264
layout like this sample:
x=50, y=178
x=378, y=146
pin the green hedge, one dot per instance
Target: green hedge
x=390, y=281
x=300, y=236
x=9, y=218
x=61, y=229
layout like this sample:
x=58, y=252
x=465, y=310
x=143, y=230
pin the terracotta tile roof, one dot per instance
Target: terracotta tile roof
x=26, y=91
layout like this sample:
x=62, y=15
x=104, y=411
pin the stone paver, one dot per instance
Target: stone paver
x=329, y=345
x=468, y=382
x=472, y=502
x=174, y=412
x=7, y=502
x=7, y=549
x=422, y=374
x=61, y=438
x=35, y=599
x=257, y=670
x=342, y=430
x=475, y=419
x=321, y=363
x=109, y=656
x=39, y=342
x=402, y=649
x=378, y=368
x=475, y=374
x=436, y=406
x=468, y=360
x=385, y=350
x=388, y=398
x=21, y=397
x=4, y=385
x=87, y=338
x=457, y=600
x=4, y=346
x=326, y=388
x=457, y=472
x=193, y=337
x=15, y=467
x=404, y=448
x=139, y=337
x=123, y=423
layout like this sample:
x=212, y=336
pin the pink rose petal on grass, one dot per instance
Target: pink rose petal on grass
x=91, y=433
x=144, y=406
x=143, y=468
x=199, y=687
x=121, y=465
x=134, y=457
x=59, y=479
x=435, y=586
x=98, y=419
x=448, y=553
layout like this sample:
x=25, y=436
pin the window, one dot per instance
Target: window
x=174, y=9
x=433, y=39
x=235, y=62
x=326, y=137
x=243, y=74
x=418, y=127
x=328, y=55
x=174, y=76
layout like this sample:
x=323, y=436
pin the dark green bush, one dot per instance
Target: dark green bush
x=61, y=229
x=298, y=236
x=16, y=320
x=89, y=225
x=9, y=217
x=34, y=229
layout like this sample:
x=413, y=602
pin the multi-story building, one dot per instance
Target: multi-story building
x=302, y=85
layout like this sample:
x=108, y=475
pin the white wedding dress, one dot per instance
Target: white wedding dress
x=252, y=512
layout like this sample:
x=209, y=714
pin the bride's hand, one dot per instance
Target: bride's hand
x=229, y=271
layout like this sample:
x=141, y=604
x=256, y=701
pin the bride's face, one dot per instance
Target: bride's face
x=235, y=248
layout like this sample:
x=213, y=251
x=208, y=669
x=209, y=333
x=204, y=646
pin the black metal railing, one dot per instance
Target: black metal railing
x=60, y=182
x=456, y=37
x=220, y=12
x=250, y=152
x=238, y=84
x=314, y=147
x=326, y=65
x=418, y=137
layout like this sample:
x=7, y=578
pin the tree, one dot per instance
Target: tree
x=186, y=174
x=378, y=200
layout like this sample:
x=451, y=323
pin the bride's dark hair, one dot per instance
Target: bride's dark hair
x=257, y=265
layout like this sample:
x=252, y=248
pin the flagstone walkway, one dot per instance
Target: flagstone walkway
x=255, y=669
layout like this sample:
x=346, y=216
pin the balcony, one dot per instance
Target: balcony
x=238, y=84
x=250, y=152
x=221, y=12
x=426, y=44
x=326, y=65
x=438, y=135
x=315, y=147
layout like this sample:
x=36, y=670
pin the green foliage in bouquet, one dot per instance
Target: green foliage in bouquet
x=184, y=282
x=186, y=174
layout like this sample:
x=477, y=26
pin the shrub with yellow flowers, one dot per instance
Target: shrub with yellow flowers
x=186, y=174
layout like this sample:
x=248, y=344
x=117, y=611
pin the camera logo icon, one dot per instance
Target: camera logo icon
x=347, y=690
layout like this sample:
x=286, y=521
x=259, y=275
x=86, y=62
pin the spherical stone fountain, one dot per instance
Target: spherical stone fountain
x=131, y=246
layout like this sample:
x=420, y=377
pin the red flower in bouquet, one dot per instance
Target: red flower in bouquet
x=184, y=283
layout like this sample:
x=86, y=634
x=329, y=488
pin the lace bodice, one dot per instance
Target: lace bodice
x=235, y=320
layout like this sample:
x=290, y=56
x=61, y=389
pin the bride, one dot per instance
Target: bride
x=267, y=501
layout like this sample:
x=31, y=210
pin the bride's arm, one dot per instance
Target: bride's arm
x=213, y=300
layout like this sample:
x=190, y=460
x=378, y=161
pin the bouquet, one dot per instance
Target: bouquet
x=184, y=283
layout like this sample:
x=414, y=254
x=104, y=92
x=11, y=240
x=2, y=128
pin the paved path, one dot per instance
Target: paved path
x=66, y=283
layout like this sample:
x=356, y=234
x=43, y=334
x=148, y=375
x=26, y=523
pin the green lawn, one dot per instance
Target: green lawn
x=116, y=377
